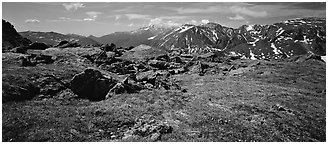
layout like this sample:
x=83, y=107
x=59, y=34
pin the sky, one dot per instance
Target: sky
x=101, y=18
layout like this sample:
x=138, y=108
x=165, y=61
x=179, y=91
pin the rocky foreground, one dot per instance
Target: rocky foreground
x=146, y=94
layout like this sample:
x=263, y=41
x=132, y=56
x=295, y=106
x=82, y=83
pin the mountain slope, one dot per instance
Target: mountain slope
x=53, y=38
x=10, y=37
x=283, y=39
x=132, y=38
x=192, y=39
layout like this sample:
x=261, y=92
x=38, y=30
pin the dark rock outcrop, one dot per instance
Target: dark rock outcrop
x=198, y=68
x=38, y=46
x=91, y=84
x=159, y=64
x=20, y=49
x=148, y=76
x=176, y=59
x=125, y=86
x=11, y=38
x=67, y=44
x=107, y=47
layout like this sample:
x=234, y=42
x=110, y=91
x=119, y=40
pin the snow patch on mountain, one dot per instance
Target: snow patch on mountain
x=280, y=31
x=249, y=28
x=275, y=49
x=185, y=28
x=151, y=37
x=323, y=58
x=254, y=42
x=252, y=55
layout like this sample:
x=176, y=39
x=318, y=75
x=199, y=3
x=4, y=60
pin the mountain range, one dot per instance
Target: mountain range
x=279, y=40
x=53, y=38
x=283, y=39
x=142, y=35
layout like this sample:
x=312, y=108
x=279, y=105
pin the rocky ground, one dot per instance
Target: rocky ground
x=143, y=94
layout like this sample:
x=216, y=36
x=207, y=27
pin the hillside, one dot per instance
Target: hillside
x=53, y=38
x=70, y=98
x=10, y=37
x=132, y=38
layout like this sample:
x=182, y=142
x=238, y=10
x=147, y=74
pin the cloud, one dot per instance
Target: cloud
x=237, y=17
x=32, y=21
x=163, y=23
x=193, y=22
x=131, y=25
x=66, y=19
x=248, y=12
x=93, y=14
x=73, y=6
x=211, y=9
x=137, y=16
x=117, y=17
x=205, y=21
x=88, y=19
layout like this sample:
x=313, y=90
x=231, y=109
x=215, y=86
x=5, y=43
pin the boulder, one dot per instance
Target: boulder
x=159, y=64
x=46, y=59
x=162, y=57
x=62, y=43
x=110, y=54
x=149, y=76
x=101, y=58
x=177, y=71
x=25, y=62
x=164, y=82
x=91, y=84
x=20, y=49
x=157, y=79
x=38, y=46
x=125, y=87
x=66, y=44
x=173, y=65
x=107, y=47
x=198, y=68
x=176, y=59
x=121, y=68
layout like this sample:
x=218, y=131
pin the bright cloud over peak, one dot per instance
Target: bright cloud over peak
x=248, y=12
x=32, y=21
x=73, y=6
x=237, y=17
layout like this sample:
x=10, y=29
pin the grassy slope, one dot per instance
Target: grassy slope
x=215, y=108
